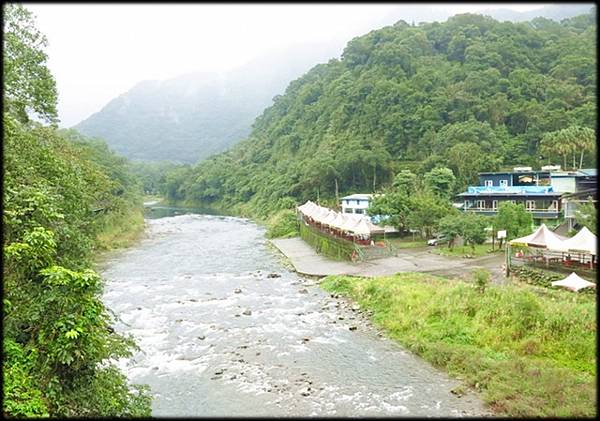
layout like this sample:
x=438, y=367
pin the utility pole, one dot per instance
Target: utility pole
x=507, y=259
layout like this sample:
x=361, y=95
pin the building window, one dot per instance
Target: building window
x=530, y=204
x=514, y=202
x=358, y=202
x=348, y=210
x=358, y=211
x=503, y=183
x=553, y=205
x=489, y=183
x=481, y=204
x=494, y=204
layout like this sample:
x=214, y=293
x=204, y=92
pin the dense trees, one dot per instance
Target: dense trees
x=513, y=218
x=571, y=141
x=471, y=94
x=28, y=85
x=586, y=215
x=470, y=226
x=59, y=194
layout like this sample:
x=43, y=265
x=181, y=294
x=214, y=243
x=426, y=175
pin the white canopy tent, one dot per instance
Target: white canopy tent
x=542, y=237
x=574, y=282
x=582, y=242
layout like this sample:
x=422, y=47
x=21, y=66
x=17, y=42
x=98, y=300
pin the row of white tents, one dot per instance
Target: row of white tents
x=582, y=242
x=354, y=224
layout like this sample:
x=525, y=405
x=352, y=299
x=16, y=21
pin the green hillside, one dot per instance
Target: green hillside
x=472, y=94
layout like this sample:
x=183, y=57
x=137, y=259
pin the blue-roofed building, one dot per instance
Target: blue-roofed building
x=540, y=192
x=542, y=201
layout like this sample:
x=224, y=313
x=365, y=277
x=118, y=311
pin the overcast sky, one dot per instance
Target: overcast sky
x=99, y=51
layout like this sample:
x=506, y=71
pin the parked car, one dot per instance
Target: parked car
x=437, y=241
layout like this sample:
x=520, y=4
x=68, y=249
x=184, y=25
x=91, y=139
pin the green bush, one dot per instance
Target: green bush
x=482, y=278
x=283, y=224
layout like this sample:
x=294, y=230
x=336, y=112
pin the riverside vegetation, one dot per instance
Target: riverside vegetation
x=64, y=198
x=529, y=353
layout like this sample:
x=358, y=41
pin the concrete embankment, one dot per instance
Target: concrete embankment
x=306, y=261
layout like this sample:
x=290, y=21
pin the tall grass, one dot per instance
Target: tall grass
x=121, y=229
x=283, y=224
x=528, y=354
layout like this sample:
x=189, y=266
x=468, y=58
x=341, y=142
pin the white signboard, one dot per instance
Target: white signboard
x=501, y=234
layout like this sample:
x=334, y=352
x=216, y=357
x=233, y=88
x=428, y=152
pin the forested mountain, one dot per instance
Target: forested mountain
x=61, y=195
x=472, y=94
x=191, y=117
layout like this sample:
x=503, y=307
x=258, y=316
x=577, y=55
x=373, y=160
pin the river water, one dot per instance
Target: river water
x=222, y=335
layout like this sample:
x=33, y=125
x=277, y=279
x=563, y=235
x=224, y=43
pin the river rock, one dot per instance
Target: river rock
x=340, y=317
x=352, y=328
x=201, y=337
x=237, y=291
x=303, y=291
x=247, y=312
x=305, y=391
x=273, y=275
x=355, y=307
x=305, y=339
x=219, y=371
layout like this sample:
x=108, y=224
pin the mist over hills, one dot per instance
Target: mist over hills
x=194, y=116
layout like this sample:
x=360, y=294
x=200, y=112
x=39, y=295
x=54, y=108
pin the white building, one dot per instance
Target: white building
x=356, y=203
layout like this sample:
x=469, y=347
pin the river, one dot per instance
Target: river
x=225, y=329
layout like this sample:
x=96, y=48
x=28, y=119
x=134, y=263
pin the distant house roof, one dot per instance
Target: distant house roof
x=515, y=172
x=358, y=196
x=573, y=173
x=582, y=194
x=589, y=171
x=511, y=190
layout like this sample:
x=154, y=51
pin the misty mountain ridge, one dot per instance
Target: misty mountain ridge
x=193, y=116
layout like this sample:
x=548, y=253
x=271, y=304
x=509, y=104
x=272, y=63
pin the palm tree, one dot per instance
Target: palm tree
x=585, y=140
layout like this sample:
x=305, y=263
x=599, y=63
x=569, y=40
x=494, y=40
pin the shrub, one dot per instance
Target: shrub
x=283, y=224
x=482, y=278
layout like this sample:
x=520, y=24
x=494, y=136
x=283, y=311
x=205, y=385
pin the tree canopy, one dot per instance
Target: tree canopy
x=29, y=87
x=471, y=94
x=60, y=193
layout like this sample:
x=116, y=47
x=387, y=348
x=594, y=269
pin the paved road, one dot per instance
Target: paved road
x=306, y=261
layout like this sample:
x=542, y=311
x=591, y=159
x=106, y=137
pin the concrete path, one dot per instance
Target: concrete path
x=307, y=262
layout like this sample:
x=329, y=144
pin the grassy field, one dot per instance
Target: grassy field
x=528, y=354
x=463, y=251
x=407, y=242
